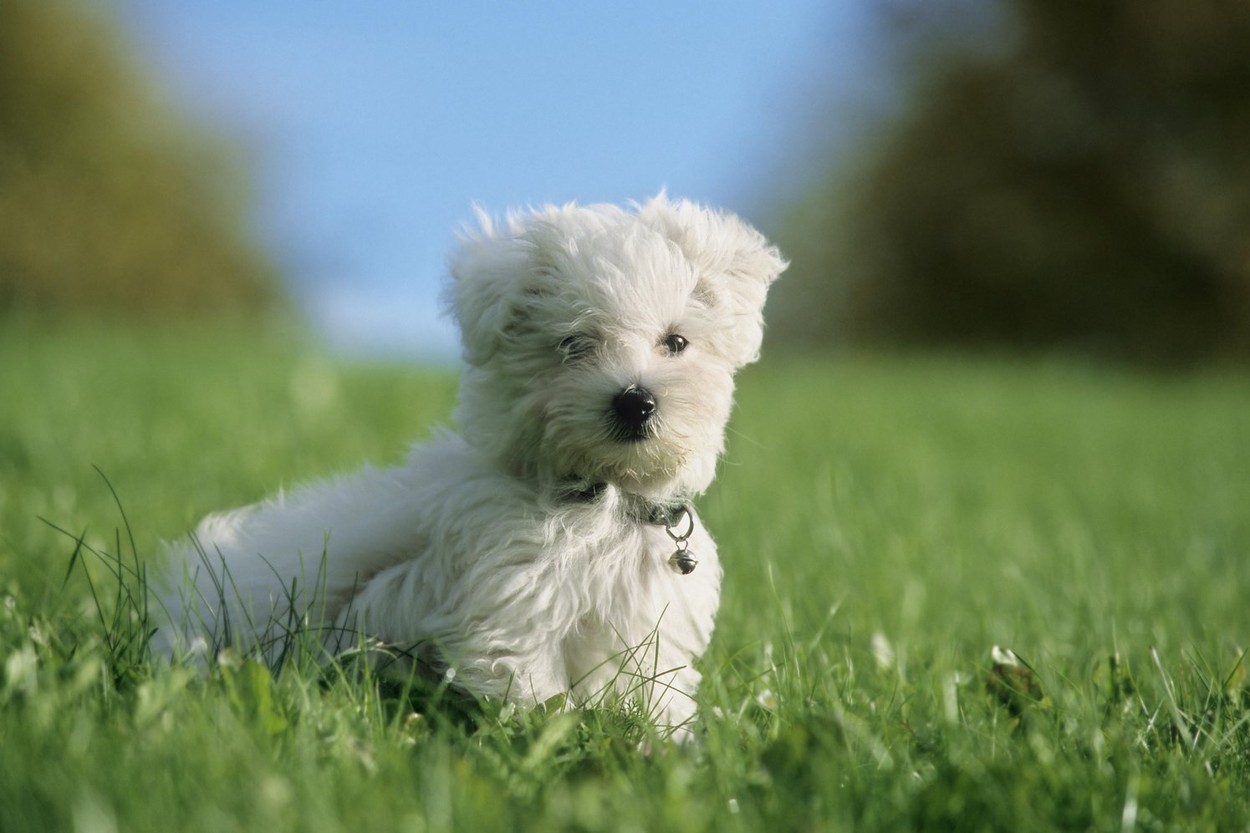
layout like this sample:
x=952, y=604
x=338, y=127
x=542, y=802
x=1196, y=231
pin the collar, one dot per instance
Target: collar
x=676, y=517
x=667, y=514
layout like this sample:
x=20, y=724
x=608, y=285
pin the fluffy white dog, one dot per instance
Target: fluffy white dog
x=549, y=546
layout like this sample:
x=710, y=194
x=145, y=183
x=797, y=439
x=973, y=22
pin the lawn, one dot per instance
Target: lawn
x=885, y=523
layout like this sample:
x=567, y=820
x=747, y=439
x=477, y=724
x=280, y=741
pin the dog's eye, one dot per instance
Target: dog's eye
x=576, y=346
x=674, y=344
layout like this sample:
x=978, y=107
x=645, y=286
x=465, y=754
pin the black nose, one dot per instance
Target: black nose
x=633, y=407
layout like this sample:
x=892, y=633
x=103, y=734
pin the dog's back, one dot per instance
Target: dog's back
x=263, y=574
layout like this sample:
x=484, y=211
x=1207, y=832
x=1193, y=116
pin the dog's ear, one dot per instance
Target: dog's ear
x=735, y=264
x=486, y=270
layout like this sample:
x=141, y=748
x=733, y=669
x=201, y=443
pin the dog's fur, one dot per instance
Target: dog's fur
x=531, y=553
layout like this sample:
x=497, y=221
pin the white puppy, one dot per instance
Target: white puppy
x=549, y=546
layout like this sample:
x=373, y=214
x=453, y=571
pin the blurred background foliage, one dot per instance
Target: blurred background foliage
x=111, y=200
x=1050, y=176
x=1060, y=176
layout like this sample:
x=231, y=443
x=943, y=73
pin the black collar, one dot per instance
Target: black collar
x=667, y=514
x=676, y=518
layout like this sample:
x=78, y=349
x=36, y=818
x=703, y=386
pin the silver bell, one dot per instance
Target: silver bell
x=684, y=562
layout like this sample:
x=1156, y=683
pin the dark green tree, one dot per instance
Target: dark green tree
x=1079, y=183
x=110, y=200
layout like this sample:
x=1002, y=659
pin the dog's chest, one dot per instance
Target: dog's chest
x=597, y=546
x=598, y=555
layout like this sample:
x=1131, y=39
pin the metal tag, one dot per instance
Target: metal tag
x=683, y=561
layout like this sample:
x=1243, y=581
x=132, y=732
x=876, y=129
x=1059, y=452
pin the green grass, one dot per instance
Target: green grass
x=883, y=522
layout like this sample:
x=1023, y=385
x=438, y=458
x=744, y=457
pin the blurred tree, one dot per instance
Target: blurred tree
x=1082, y=183
x=109, y=201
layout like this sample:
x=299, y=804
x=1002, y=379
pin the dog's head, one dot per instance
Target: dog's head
x=602, y=341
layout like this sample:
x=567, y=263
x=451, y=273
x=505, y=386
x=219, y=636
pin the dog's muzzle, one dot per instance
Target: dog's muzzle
x=631, y=414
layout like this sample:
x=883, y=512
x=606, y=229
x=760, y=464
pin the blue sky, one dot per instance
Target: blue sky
x=374, y=126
